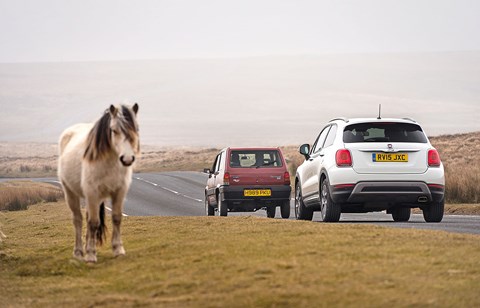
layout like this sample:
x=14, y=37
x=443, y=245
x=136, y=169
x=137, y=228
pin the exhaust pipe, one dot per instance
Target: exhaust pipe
x=422, y=199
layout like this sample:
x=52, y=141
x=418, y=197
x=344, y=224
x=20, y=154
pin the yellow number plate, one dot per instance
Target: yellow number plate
x=390, y=157
x=257, y=192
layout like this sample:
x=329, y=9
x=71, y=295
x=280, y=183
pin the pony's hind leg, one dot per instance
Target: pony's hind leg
x=74, y=203
x=117, y=208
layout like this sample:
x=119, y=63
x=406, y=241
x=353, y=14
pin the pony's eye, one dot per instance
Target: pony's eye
x=115, y=132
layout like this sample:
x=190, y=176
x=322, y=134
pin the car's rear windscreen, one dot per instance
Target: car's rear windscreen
x=384, y=132
x=255, y=158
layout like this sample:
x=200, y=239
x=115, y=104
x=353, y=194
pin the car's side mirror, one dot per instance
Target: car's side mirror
x=304, y=149
x=207, y=171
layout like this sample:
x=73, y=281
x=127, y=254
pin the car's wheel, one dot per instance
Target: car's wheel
x=401, y=214
x=330, y=210
x=301, y=211
x=209, y=210
x=222, y=206
x=271, y=211
x=434, y=212
x=285, y=209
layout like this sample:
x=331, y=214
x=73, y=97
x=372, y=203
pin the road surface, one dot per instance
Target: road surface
x=182, y=194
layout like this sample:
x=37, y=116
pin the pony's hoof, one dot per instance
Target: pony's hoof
x=119, y=251
x=89, y=258
x=78, y=254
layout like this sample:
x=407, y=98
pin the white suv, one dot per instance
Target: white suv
x=367, y=165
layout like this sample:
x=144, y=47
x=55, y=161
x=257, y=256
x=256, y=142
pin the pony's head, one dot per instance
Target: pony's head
x=116, y=133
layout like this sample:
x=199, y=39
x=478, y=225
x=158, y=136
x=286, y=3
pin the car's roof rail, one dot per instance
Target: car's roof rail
x=340, y=118
x=410, y=119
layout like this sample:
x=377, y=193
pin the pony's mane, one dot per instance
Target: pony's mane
x=99, y=139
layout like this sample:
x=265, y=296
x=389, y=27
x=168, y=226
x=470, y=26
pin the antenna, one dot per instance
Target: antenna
x=379, y=111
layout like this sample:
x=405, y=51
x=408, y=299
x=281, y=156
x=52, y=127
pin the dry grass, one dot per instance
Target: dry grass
x=174, y=159
x=458, y=153
x=236, y=262
x=462, y=168
x=18, y=195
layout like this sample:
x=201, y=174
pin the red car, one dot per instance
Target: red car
x=246, y=180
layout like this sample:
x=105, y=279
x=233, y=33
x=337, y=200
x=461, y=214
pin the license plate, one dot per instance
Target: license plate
x=257, y=192
x=390, y=157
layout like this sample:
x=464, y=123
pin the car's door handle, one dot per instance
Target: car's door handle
x=310, y=159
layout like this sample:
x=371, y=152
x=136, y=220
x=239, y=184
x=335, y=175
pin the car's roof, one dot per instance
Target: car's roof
x=369, y=120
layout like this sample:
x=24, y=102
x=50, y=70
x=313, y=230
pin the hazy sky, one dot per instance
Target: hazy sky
x=69, y=30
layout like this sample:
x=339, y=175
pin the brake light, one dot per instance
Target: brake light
x=433, y=158
x=226, y=178
x=286, y=178
x=343, y=158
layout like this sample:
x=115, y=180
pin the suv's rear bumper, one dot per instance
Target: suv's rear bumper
x=405, y=192
x=237, y=202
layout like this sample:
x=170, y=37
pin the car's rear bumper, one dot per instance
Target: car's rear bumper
x=234, y=196
x=401, y=192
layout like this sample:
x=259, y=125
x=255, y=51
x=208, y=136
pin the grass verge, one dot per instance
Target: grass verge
x=236, y=262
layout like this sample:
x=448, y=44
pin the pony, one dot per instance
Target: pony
x=95, y=164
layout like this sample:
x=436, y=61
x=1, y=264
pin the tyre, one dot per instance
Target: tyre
x=330, y=210
x=222, y=206
x=271, y=211
x=434, y=212
x=285, y=209
x=400, y=214
x=209, y=210
x=301, y=211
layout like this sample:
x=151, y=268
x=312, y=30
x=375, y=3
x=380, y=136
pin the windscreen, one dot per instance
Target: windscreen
x=383, y=132
x=255, y=158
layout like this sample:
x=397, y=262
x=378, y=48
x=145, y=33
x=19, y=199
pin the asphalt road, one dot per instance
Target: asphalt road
x=182, y=194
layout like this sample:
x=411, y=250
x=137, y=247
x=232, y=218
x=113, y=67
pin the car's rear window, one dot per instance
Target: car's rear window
x=255, y=158
x=384, y=132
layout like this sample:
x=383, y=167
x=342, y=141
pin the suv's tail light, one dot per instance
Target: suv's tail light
x=286, y=178
x=343, y=158
x=433, y=158
x=226, y=178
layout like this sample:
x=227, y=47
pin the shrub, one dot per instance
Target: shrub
x=18, y=196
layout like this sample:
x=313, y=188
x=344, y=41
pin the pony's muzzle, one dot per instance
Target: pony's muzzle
x=127, y=161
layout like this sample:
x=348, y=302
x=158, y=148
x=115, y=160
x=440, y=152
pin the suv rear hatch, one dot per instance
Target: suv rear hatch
x=387, y=147
x=256, y=167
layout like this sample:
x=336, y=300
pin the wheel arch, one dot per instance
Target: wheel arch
x=323, y=175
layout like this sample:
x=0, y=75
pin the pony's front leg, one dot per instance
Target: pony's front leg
x=117, y=208
x=93, y=223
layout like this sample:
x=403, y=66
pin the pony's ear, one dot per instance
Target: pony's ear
x=113, y=110
x=135, y=108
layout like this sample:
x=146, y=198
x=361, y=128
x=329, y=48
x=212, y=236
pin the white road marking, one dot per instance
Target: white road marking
x=168, y=189
x=188, y=197
x=123, y=214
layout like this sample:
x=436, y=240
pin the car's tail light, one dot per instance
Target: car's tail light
x=286, y=178
x=343, y=158
x=433, y=158
x=226, y=178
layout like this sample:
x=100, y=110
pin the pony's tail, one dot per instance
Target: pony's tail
x=102, y=228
